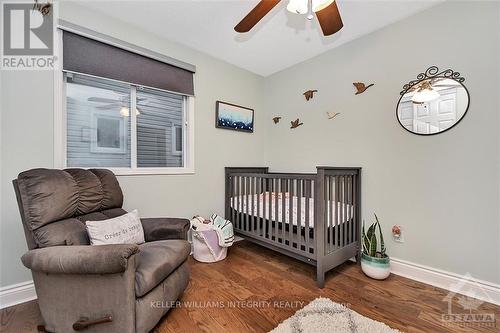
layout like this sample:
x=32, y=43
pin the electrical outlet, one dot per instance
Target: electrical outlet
x=397, y=234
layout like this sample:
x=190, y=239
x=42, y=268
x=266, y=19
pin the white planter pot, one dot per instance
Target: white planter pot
x=376, y=268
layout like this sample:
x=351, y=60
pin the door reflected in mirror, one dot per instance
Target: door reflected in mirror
x=432, y=105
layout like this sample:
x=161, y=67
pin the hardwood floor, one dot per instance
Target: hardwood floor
x=254, y=289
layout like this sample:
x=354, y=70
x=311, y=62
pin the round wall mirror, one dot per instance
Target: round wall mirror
x=433, y=103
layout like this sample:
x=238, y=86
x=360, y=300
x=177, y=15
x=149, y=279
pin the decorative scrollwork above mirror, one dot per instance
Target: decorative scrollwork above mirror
x=433, y=103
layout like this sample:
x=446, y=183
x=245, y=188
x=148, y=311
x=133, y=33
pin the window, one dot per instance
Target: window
x=121, y=106
x=103, y=131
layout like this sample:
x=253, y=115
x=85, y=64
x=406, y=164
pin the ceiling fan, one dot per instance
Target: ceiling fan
x=114, y=104
x=426, y=91
x=433, y=83
x=326, y=11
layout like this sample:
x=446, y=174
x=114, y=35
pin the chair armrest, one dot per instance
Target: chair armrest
x=165, y=228
x=86, y=259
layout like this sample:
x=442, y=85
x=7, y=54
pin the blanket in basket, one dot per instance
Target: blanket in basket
x=224, y=229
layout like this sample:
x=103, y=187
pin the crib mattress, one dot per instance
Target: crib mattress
x=343, y=211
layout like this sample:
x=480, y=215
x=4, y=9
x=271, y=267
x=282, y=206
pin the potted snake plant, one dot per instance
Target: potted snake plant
x=375, y=262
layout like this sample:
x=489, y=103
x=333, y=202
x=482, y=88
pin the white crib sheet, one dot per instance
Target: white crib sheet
x=343, y=212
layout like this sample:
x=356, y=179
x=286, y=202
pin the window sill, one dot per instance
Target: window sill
x=152, y=171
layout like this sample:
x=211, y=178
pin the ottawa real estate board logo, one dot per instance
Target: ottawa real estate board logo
x=27, y=36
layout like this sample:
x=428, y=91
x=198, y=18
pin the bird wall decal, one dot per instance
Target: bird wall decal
x=332, y=115
x=276, y=119
x=43, y=8
x=295, y=123
x=361, y=87
x=309, y=94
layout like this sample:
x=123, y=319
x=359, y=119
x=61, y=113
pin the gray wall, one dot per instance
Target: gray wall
x=443, y=189
x=27, y=138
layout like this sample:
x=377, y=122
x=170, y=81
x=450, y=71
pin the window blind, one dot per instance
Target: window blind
x=92, y=57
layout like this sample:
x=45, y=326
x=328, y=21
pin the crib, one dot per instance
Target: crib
x=313, y=217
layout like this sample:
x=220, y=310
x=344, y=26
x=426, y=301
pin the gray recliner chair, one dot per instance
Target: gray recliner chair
x=106, y=288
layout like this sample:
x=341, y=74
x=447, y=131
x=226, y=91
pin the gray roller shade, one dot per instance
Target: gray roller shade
x=88, y=56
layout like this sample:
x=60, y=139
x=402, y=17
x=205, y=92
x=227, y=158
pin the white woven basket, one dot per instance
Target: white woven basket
x=202, y=253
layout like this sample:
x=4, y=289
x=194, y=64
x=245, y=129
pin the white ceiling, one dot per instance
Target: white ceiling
x=280, y=40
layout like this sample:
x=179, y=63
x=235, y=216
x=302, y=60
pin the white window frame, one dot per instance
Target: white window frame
x=60, y=124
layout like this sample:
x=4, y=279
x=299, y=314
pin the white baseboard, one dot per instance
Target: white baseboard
x=465, y=285
x=17, y=293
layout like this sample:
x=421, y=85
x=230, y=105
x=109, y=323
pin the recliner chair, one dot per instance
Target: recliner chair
x=106, y=288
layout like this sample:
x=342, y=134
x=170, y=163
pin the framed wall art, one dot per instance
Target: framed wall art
x=234, y=117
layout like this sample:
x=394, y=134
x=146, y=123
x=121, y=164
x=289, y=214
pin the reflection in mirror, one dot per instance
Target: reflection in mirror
x=432, y=105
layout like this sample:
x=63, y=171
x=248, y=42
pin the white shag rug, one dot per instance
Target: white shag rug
x=324, y=315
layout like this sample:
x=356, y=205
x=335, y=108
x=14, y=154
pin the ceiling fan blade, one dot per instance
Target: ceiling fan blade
x=102, y=100
x=329, y=19
x=109, y=106
x=255, y=15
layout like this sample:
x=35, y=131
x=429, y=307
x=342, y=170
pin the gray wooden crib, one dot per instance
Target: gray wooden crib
x=311, y=217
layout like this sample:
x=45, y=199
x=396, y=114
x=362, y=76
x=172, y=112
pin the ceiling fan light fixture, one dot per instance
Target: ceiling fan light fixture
x=124, y=111
x=298, y=6
x=302, y=6
x=425, y=95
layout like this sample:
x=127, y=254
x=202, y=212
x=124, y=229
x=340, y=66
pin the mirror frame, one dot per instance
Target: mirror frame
x=433, y=72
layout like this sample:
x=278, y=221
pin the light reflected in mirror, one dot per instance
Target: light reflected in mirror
x=432, y=106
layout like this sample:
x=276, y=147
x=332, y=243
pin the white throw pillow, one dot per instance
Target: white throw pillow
x=125, y=229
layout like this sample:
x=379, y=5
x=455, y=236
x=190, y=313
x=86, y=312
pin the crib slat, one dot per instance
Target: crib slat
x=243, y=215
x=345, y=210
x=347, y=214
x=258, y=181
x=248, y=216
x=346, y=196
x=237, y=195
x=242, y=200
x=245, y=223
x=249, y=225
x=264, y=201
x=327, y=212
x=291, y=210
x=252, y=192
x=342, y=217
x=351, y=234
x=336, y=216
x=307, y=213
x=285, y=190
x=270, y=208
x=299, y=214
x=276, y=203
x=354, y=208
x=249, y=206
x=331, y=217
x=233, y=198
x=283, y=210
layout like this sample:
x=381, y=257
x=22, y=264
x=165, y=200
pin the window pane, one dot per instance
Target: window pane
x=98, y=122
x=159, y=114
